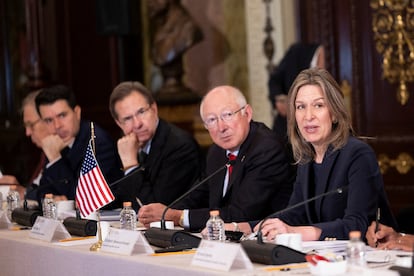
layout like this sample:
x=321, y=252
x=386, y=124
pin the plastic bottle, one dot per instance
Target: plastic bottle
x=355, y=251
x=215, y=227
x=13, y=201
x=128, y=217
x=49, y=207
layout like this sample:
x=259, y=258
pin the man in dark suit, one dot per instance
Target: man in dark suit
x=66, y=145
x=160, y=161
x=36, y=129
x=260, y=181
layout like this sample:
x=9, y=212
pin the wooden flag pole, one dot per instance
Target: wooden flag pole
x=98, y=245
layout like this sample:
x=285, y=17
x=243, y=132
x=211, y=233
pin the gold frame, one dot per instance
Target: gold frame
x=393, y=27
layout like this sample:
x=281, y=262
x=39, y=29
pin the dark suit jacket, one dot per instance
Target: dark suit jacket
x=354, y=166
x=173, y=165
x=296, y=59
x=61, y=178
x=261, y=181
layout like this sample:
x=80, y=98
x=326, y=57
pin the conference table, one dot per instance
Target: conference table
x=22, y=255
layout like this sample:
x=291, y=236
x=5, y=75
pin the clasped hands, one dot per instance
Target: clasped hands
x=152, y=212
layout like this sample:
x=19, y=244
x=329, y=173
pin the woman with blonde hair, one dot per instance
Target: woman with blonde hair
x=329, y=158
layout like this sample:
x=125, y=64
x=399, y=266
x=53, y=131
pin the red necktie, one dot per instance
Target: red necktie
x=231, y=157
x=39, y=168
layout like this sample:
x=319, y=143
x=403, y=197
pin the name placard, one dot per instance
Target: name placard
x=125, y=242
x=4, y=220
x=221, y=256
x=48, y=230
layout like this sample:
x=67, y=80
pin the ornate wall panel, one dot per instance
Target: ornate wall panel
x=387, y=125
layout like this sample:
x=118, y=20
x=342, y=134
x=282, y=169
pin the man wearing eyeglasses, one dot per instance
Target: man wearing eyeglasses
x=260, y=181
x=66, y=144
x=160, y=161
x=36, y=130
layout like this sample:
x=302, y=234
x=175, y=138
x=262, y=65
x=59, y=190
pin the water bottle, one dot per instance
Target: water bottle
x=13, y=201
x=49, y=207
x=128, y=217
x=355, y=251
x=215, y=227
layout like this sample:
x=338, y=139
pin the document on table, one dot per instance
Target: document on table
x=324, y=247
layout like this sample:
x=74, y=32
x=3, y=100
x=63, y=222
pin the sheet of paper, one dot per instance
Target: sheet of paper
x=323, y=247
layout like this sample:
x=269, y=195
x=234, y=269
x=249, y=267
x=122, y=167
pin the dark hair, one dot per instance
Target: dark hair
x=52, y=94
x=123, y=90
x=342, y=127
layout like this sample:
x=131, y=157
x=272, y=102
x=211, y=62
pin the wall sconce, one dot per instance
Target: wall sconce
x=403, y=163
x=393, y=26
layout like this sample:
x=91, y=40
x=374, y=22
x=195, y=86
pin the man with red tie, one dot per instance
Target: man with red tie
x=36, y=130
x=261, y=177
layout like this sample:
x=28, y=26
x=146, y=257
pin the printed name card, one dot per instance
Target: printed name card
x=48, y=230
x=221, y=256
x=125, y=242
x=4, y=220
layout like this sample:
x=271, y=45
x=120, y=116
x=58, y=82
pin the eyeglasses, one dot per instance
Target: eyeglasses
x=226, y=116
x=140, y=114
x=31, y=125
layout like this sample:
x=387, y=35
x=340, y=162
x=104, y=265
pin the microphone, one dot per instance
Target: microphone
x=140, y=169
x=163, y=237
x=274, y=254
x=24, y=216
x=227, y=165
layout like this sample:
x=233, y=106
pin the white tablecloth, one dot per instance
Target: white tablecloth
x=21, y=255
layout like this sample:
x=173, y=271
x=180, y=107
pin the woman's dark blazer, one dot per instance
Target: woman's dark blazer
x=354, y=166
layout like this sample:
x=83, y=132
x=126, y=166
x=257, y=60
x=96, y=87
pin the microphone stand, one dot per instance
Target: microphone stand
x=259, y=231
x=24, y=216
x=173, y=239
x=274, y=254
x=227, y=165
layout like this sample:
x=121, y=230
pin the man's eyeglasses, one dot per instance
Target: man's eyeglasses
x=226, y=116
x=31, y=125
x=140, y=114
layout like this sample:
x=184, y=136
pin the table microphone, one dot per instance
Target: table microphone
x=274, y=254
x=163, y=237
x=25, y=216
x=138, y=169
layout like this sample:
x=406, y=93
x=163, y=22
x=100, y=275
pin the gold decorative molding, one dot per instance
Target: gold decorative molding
x=393, y=26
x=403, y=163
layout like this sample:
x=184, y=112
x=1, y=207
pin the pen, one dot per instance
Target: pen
x=139, y=202
x=191, y=251
x=76, y=238
x=287, y=267
x=377, y=219
x=17, y=228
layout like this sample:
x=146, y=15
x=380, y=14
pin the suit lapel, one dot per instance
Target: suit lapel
x=328, y=163
x=158, y=143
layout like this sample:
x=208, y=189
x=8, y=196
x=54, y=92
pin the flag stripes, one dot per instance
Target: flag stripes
x=92, y=192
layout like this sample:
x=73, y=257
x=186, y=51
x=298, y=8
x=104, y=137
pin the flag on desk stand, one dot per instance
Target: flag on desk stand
x=92, y=192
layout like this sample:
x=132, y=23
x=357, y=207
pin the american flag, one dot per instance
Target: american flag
x=92, y=192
